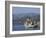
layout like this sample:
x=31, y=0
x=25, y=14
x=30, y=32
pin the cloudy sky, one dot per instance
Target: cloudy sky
x=18, y=10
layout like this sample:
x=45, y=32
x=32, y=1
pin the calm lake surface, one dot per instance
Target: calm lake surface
x=20, y=27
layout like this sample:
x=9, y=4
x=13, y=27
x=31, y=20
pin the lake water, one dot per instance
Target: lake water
x=21, y=27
